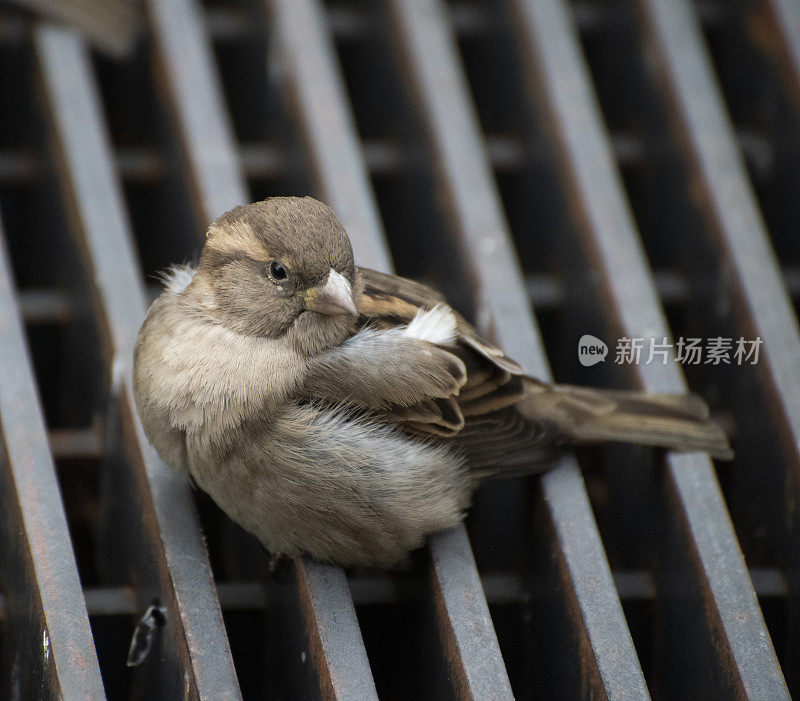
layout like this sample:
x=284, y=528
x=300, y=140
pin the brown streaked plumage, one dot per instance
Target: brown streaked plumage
x=344, y=413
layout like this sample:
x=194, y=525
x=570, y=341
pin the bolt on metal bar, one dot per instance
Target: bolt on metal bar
x=214, y=171
x=608, y=663
x=47, y=648
x=696, y=112
x=197, y=660
x=736, y=630
x=339, y=171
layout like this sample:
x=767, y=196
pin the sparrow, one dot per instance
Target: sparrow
x=345, y=414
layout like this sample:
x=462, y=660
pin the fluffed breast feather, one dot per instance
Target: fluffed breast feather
x=192, y=374
x=345, y=489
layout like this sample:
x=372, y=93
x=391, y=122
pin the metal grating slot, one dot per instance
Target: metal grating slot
x=474, y=215
x=317, y=91
x=472, y=655
x=43, y=609
x=556, y=167
x=217, y=183
x=703, y=540
x=760, y=305
x=733, y=289
x=179, y=575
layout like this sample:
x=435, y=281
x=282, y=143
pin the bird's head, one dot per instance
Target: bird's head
x=282, y=267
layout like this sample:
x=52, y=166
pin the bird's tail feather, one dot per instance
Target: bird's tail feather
x=580, y=415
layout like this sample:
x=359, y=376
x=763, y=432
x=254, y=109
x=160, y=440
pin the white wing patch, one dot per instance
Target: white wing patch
x=176, y=278
x=437, y=325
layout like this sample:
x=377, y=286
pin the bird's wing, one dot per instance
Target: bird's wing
x=494, y=381
x=506, y=422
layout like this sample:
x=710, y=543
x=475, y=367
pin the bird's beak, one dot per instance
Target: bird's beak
x=333, y=298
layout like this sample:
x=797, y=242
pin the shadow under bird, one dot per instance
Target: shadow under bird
x=343, y=413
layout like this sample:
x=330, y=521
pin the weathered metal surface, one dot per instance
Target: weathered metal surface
x=781, y=34
x=316, y=90
x=735, y=628
x=197, y=660
x=465, y=626
x=606, y=661
x=49, y=652
x=333, y=633
x=774, y=26
x=703, y=130
x=500, y=589
x=188, y=74
x=216, y=178
x=761, y=308
x=316, y=86
x=691, y=608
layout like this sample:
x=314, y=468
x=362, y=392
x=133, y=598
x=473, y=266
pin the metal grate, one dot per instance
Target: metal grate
x=622, y=169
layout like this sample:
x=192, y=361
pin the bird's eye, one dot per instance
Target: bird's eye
x=277, y=271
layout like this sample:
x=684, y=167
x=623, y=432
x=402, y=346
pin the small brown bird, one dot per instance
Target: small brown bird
x=343, y=413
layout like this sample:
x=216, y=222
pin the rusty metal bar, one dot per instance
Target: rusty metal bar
x=48, y=649
x=696, y=113
x=737, y=639
x=318, y=94
x=189, y=74
x=605, y=661
x=465, y=626
x=317, y=90
x=197, y=659
x=334, y=637
x=783, y=33
x=700, y=120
